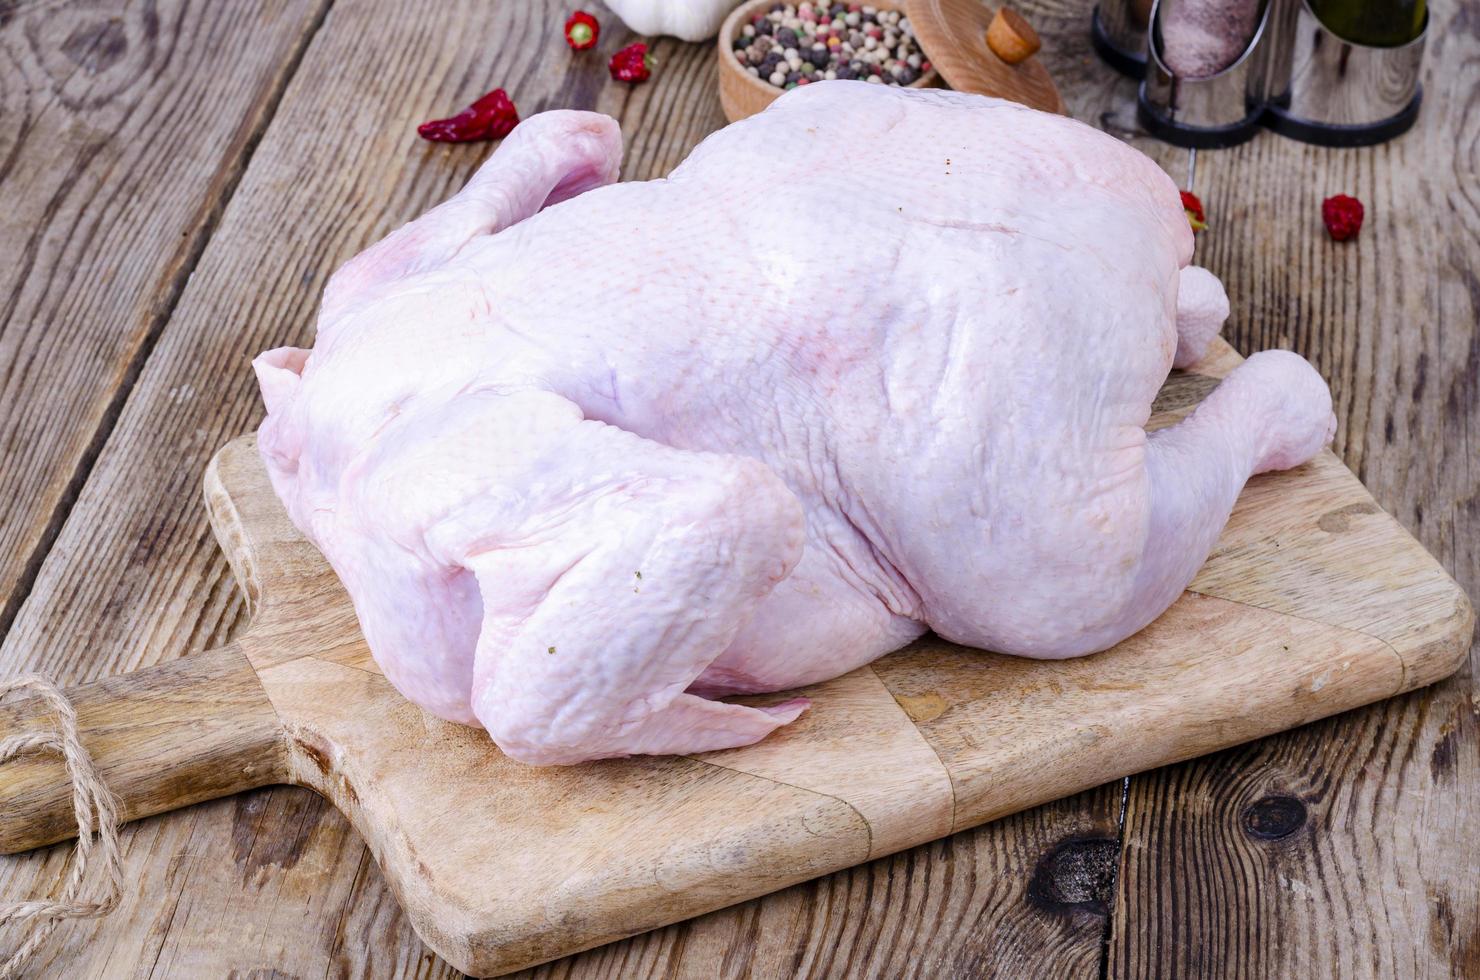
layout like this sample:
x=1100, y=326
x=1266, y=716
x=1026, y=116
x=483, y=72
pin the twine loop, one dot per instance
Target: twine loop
x=96, y=810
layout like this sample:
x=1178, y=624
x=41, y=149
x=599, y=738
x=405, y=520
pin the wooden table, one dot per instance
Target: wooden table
x=178, y=179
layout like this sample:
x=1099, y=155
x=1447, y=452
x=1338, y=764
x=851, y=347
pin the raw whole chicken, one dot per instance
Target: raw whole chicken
x=588, y=456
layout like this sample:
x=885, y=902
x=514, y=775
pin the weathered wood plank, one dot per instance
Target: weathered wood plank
x=215, y=613
x=1021, y=897
x=126, y=125
x=153, y=586
x=338, y=168
x=1000, y=902
x=1345, y=848
x=209, y=716
x=278, y=860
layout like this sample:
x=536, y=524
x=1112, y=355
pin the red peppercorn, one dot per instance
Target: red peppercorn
x=632, y=64
x=491, y=117
x=1343, y=216
x=581, y=31
x=1196, y=217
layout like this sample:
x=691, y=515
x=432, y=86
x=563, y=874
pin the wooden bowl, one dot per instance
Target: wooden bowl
x=741, y=93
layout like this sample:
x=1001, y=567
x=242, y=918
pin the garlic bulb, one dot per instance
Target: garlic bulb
x=692, y=20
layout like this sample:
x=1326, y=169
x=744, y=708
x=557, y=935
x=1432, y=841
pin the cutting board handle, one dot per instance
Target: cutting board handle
x=207, y=714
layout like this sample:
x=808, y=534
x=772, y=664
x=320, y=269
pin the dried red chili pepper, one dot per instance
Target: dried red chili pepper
x=1343, y=216
x=632, y=64
x=491, y=117
x=581, y=31
x=1195, y=214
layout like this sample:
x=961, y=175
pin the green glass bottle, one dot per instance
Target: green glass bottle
x=1378, y=23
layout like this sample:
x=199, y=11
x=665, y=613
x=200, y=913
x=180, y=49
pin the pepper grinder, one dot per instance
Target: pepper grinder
x=1330, y=72
x=1352, y=74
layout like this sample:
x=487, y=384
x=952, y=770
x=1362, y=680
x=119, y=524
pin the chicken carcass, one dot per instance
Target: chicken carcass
x=589, y=455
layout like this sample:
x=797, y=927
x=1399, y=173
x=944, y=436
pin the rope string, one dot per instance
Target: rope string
x=96, y=810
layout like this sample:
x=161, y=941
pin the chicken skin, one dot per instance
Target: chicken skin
x=588, y=455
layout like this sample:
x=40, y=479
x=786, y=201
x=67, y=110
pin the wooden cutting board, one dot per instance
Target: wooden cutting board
x=1314, y=601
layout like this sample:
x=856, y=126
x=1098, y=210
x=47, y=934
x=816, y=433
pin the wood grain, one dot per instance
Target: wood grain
x=127, y=126
x=955, y=908
x=954, y=34
x=932, y=738
x=1346, y=848
x=1002, y=909
x=175, y=594
x=1024, y=897
x=314, y=897
x=339, y=167
x=124, y=129
x=186, y=731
